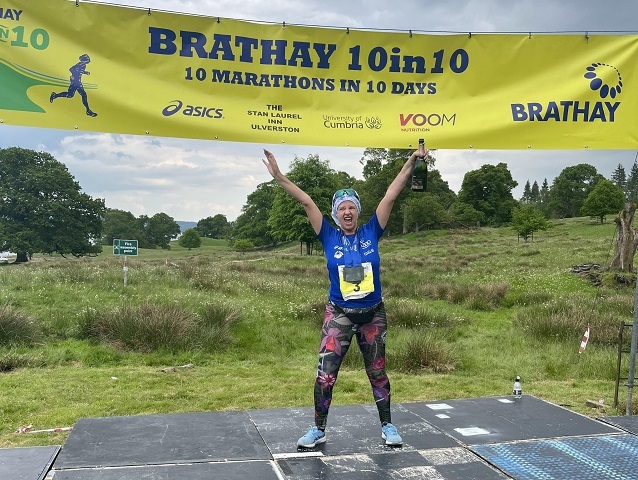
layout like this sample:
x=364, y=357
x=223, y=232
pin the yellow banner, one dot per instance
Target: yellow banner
x=94, y=67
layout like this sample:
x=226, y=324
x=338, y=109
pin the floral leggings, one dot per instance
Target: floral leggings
x=336, y=337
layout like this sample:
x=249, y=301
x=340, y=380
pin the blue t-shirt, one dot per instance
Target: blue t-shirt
x=353, y=250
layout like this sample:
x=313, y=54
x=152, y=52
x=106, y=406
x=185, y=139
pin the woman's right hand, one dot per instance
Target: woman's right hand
x=312, y=211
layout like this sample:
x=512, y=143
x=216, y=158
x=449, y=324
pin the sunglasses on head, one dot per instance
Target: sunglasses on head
x=343, y=192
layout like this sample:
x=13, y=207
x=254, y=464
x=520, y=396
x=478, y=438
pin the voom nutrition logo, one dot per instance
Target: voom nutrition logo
x=424, y=121
x=201, y=111
x=603, y=79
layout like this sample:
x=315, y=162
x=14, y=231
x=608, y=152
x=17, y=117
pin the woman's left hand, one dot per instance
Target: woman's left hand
x=271, y=164
x=420, y=152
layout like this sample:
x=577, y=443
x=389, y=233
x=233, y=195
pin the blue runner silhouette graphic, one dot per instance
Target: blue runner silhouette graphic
x=77, y=71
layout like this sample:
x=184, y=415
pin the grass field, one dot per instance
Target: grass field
x=468, y=311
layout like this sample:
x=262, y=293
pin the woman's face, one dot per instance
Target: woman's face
x=347, y=214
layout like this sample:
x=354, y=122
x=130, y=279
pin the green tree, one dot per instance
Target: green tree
x=489, y=190
x=242, y=245
x=190, y=239
x=535, y=193
x=619, y=177
x=143, y=222
x=631, y=187
x=527, y=193
x=423, y=211
x=120, y=224
x=439, y=188
x=288, y=219
x=543, y=199
x=528, y=219
x=160, y=229
x=381, y=166
x=42, y=207
x=466, y=215
x=252, y=223
x=213, y=227
x=571, y=188
x=373, y=160
x=605, y=198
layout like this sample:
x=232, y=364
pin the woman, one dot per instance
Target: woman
x=355, y=305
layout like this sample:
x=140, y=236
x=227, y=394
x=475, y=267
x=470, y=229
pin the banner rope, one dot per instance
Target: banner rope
x=370, y=29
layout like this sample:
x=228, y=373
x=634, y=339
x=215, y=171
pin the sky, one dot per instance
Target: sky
x=194, y=179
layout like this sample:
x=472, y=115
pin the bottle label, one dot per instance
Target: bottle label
x=417, y=183
x=419, y=175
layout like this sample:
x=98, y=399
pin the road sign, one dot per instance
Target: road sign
x=124, y=247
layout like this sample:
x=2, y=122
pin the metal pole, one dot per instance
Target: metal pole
x=125, y=270
x=632, y=355
x=618, y=363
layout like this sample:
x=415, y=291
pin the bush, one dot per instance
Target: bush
x=17, y=328
x=567, y=319
x=425, y=353
x=190, y=239
x=414, y=315
x=243, y=245
x=12, y=360
x=214, y=326
x=527, y=298
x=312, y=310
x=472, y=296
x=161, y=327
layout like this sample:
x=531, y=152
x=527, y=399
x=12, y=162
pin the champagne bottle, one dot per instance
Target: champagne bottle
x=420, y=170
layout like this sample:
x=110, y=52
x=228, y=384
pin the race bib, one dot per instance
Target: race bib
x=351, y=291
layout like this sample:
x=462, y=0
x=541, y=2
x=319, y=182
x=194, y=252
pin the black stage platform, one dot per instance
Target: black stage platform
x=466, y=439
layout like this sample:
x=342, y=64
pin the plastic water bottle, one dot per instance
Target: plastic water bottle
x=420, y=171
x=517, y=390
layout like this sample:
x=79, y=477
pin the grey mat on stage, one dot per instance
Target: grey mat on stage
x=253, y=470
x=493, y=438
x=501, y=419
x=157, y=439
x=628, y=423
x=437, y=464
x=585, y=458
x=26, y=463
x=351, y=429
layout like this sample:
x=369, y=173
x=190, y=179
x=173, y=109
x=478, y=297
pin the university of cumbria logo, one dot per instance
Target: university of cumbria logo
x=604, y=79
